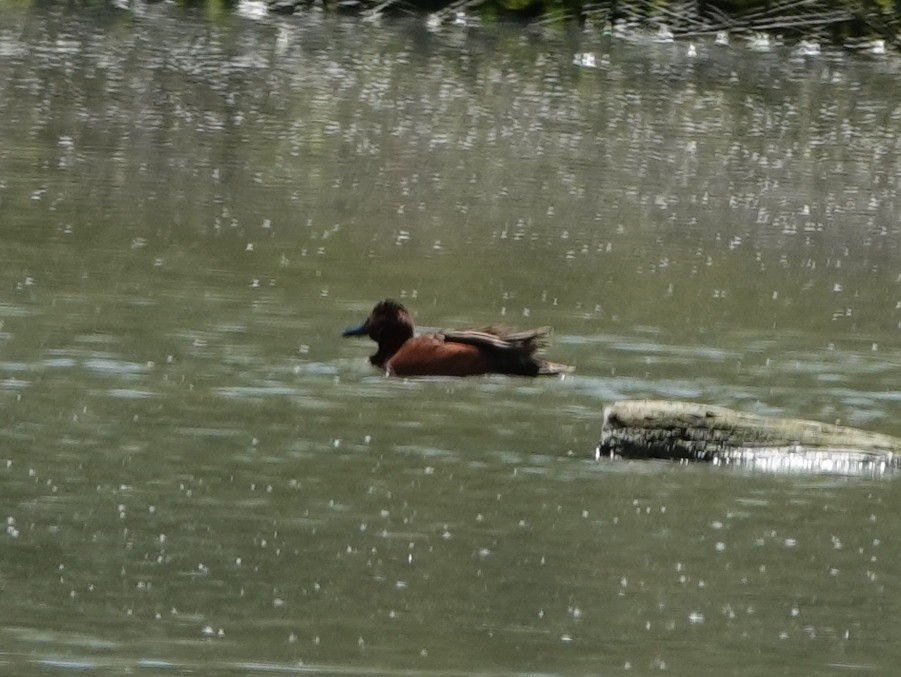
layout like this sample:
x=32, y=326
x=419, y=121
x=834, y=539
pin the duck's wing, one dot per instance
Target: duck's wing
x=499, y=338
x=508, y=352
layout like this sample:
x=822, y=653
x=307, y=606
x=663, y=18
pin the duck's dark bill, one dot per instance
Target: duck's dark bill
x=359, y=330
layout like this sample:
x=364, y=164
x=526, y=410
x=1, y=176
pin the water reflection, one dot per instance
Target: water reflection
x=197, y=472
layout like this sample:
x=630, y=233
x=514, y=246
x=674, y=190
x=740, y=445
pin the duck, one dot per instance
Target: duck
x=455, y=352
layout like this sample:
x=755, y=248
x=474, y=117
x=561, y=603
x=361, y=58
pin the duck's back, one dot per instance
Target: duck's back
x=473, y=352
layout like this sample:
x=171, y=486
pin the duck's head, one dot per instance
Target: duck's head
x=388, y=323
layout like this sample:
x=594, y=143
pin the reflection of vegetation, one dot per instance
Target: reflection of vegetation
x=834, y=19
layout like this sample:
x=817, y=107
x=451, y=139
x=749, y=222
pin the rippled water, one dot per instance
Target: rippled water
x=199, y=474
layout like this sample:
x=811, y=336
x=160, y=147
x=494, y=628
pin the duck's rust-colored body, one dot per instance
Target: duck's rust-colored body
x=467, y=352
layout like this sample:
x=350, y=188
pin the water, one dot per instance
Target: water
x=200, y=475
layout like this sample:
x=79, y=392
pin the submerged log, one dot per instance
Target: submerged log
x=700, y=432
